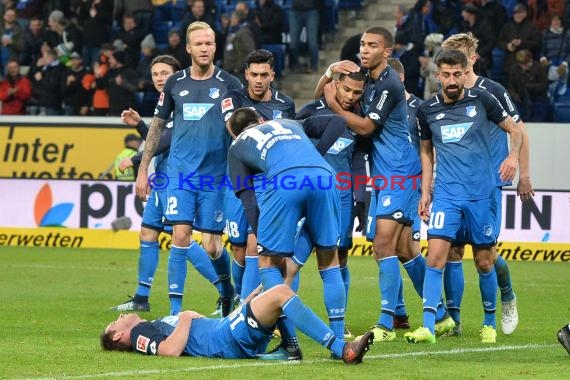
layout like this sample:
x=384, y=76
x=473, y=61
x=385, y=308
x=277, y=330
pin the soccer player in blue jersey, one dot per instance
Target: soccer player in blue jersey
x=396, y=169
x=271, y=104
x=286, y=179
x=196, y=164
x=453, y=275
x=456, y=124
x=244, y=334
x=350, y=88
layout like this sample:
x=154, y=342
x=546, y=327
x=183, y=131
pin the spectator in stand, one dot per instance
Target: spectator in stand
x=444, y=15
x=144, y=77
x=540, y=11
x=94, y=81
x=304, y=13
x=418, y=24
x=400, y=16
x=495, y=13
x=121, y=84
x=197, y=12
x=176, y=48
x=130, y=37
x=47, y=82
x=141, y=10
x=410, y=58
x=555, y=56
x=239, y=44
x=210, y=9
x=49, y=6
x=518, y=34
x=478, y=26
x=96, y=17
x=528, y=86
x=269, y=17
x=33, y=38
x=15, y=90
x=351, y=49
x=12, y=39
x=28, y=10
x=250, y=19
x=132, y=145
x=428, y=69
x=221, y=37
x=76, y=98
x=62, y=32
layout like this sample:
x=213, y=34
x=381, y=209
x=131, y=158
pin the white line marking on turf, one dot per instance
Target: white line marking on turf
x=252, y=364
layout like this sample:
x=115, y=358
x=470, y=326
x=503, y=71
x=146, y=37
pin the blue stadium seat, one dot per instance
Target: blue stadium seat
x=350, y=4
x=562, y=112
x=278, y=51
x=496, y=71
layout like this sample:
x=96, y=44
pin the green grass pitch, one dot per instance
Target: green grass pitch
x=55, y=302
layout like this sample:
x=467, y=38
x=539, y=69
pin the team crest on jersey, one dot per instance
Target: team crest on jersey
x=218, y=216
x=142, y=343
x=488, y=230
x=277, y=114
x=161, y=99
x=195, y=111
x=386, y=201
x=339, y=145
x=214, y=93
x=454, y=132
x=227, y=104
x=470, y=111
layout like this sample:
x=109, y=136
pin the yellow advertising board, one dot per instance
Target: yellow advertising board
x=107, y=239
x=59, y=150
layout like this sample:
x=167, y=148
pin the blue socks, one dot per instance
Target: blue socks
x=345, y=273
x=401, y=304
x=504, y=279
x=389, y=279
x=431, y=296
x=148, y=262
x=335, y=299
x=177, y=276
x=488, y=287
x=237, y=275
x=454, y=285
x=251, y=278
x=309, y=324
x=201, y=261
x=416, y=269
x=303, y=248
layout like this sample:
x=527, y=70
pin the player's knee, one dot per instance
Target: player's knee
x=147, y=234
x=456, y=253
x=484, y=263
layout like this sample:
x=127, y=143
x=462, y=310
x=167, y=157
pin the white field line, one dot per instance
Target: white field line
x=254, y=364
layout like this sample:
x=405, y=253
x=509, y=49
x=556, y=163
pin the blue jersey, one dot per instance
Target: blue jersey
x=499, y=140
x=413, y=103
x=384, y=102
x=270, y=149
x=200, y=140
x=280, y=106
x=460, y=134
x=339, y=156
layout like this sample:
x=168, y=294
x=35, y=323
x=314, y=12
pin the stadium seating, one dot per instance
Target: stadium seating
x=562, y=112
x=278, y=51
x=496, y=71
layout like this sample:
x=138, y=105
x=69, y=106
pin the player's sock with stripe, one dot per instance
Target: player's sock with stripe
x=389, y=279
x=251, y=279
x=148, y=261
x=237, y=275
x=335, y=299
x=345, y=273
x=453, y=286
x=199, y=258
x=296, y=281
x=432, y=296
x=303, y=248
x=488, y=286
x=504, y=279
x=222, y=267
x=177, y=270
x=310, y=325
x=416, y=269
x=271, y=277
x=400, y=303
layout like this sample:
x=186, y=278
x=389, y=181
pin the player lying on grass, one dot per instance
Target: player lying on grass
x=243, y=334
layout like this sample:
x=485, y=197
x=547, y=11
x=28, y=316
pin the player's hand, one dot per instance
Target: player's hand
x=130, y=117
x=423, y=207
x=360, y=213
x=142, y=187
x=330, y=93
x=344, y=67
x=125, y=164
x=524, y=189
x=508, y=168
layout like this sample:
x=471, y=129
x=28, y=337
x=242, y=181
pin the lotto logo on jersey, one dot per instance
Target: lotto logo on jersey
x=195, y=111
x=454, y=132
x=339, y=145
x=142, y=343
